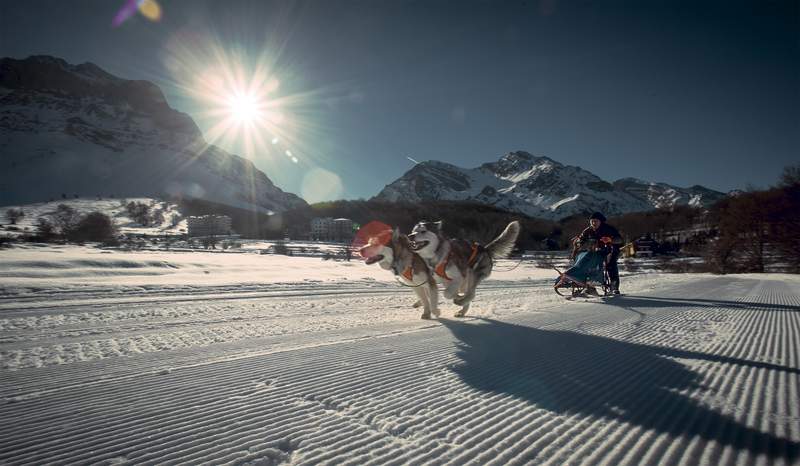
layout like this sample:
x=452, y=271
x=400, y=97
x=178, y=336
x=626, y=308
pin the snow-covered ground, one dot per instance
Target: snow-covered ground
x=152, y=357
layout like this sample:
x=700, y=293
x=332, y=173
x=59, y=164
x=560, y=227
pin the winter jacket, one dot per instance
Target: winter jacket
x=601, y=236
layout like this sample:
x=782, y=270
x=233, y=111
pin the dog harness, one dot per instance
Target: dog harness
x=474, y=255
x=441, y=269
x=408, y=273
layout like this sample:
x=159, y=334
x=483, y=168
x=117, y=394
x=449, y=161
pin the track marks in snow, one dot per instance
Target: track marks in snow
x=45, y=339
x=656, y=379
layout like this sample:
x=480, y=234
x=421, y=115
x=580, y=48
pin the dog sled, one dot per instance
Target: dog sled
x=586, y=277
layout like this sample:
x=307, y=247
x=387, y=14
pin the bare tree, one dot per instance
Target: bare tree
x=14, y=214
x=65, y=219
x=719, y=255
x=45, y=228
x=94, y=226
x=790, y=176
x=784, y=225
x=139, y=212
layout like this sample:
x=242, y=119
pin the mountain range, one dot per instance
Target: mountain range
x=539, y=187
x=76, y=130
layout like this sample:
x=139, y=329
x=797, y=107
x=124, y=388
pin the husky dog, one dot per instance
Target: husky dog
x=392, y=251
x=459, y=265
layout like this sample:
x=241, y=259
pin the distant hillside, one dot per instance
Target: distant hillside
x=172, y=214
x=168, y=217
x=70, y=130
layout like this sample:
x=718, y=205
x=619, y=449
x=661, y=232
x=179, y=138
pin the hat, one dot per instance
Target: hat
x=598, y=216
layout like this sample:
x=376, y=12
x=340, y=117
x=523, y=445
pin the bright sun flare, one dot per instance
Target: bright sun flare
x=243, y=105
x=244, y=108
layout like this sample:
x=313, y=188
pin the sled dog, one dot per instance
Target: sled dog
x=392, y=251
x=458, y=264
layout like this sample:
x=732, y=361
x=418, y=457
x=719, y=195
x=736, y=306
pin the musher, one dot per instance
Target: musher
x=601, y=237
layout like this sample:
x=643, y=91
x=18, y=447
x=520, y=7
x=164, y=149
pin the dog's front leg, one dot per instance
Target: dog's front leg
x=423, y=298
x=469, y=294
x=463, y=311
x=451, y=288
x=433, y=297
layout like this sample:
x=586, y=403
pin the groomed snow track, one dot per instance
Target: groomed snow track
x=704, y=373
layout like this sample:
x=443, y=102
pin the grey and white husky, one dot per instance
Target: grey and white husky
x=458, y=264
x=392, y=251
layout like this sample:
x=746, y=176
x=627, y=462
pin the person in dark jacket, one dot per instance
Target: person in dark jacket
x=602, y=237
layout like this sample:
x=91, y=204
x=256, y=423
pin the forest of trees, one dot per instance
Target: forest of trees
x=745, y=232
x=758, y=228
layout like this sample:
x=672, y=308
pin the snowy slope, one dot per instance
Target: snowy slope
x=331, y=365
x=664, y=195
x=173, y=222
x=75, y=129
x=539, y=187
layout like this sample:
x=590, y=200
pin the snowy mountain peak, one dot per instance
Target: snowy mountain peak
x=538, y=186
x=79, y=130
x=520, y=162
x=632, y=181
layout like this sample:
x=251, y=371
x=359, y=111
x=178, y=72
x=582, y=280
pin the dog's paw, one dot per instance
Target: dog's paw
x=418, y=304
x=459, y=314
x=426, y=316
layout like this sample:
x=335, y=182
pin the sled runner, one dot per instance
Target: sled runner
x=587, y=277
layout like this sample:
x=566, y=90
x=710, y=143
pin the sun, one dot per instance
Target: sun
x=245, y=108
x=248, y=103
x=242, y=102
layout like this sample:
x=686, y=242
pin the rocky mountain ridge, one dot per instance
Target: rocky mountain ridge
x=539, y=187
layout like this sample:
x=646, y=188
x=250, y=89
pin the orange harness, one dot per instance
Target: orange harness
x=474, y=254
x=441, y=269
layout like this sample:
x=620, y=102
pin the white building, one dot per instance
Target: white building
x=331, y=229
x=209, y=225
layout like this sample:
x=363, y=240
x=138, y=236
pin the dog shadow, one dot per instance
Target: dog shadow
x=627, y=301
x=567, y=372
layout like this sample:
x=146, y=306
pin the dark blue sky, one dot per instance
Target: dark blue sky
x=684, y=92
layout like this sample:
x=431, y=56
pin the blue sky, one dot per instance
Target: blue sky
x=684, y=92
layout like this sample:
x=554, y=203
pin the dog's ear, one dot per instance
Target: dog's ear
x=395, y=234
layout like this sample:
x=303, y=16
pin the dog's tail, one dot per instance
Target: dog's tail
x=501, y=246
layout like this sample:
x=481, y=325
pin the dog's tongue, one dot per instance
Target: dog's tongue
x=373, y=259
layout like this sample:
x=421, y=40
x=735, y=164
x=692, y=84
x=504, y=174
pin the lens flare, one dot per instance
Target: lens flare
x=369, y=233
x=320, y=184
x=150, y=9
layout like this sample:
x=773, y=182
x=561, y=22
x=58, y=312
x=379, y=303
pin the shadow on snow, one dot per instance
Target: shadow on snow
x=567, y=373
x=627, y=301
